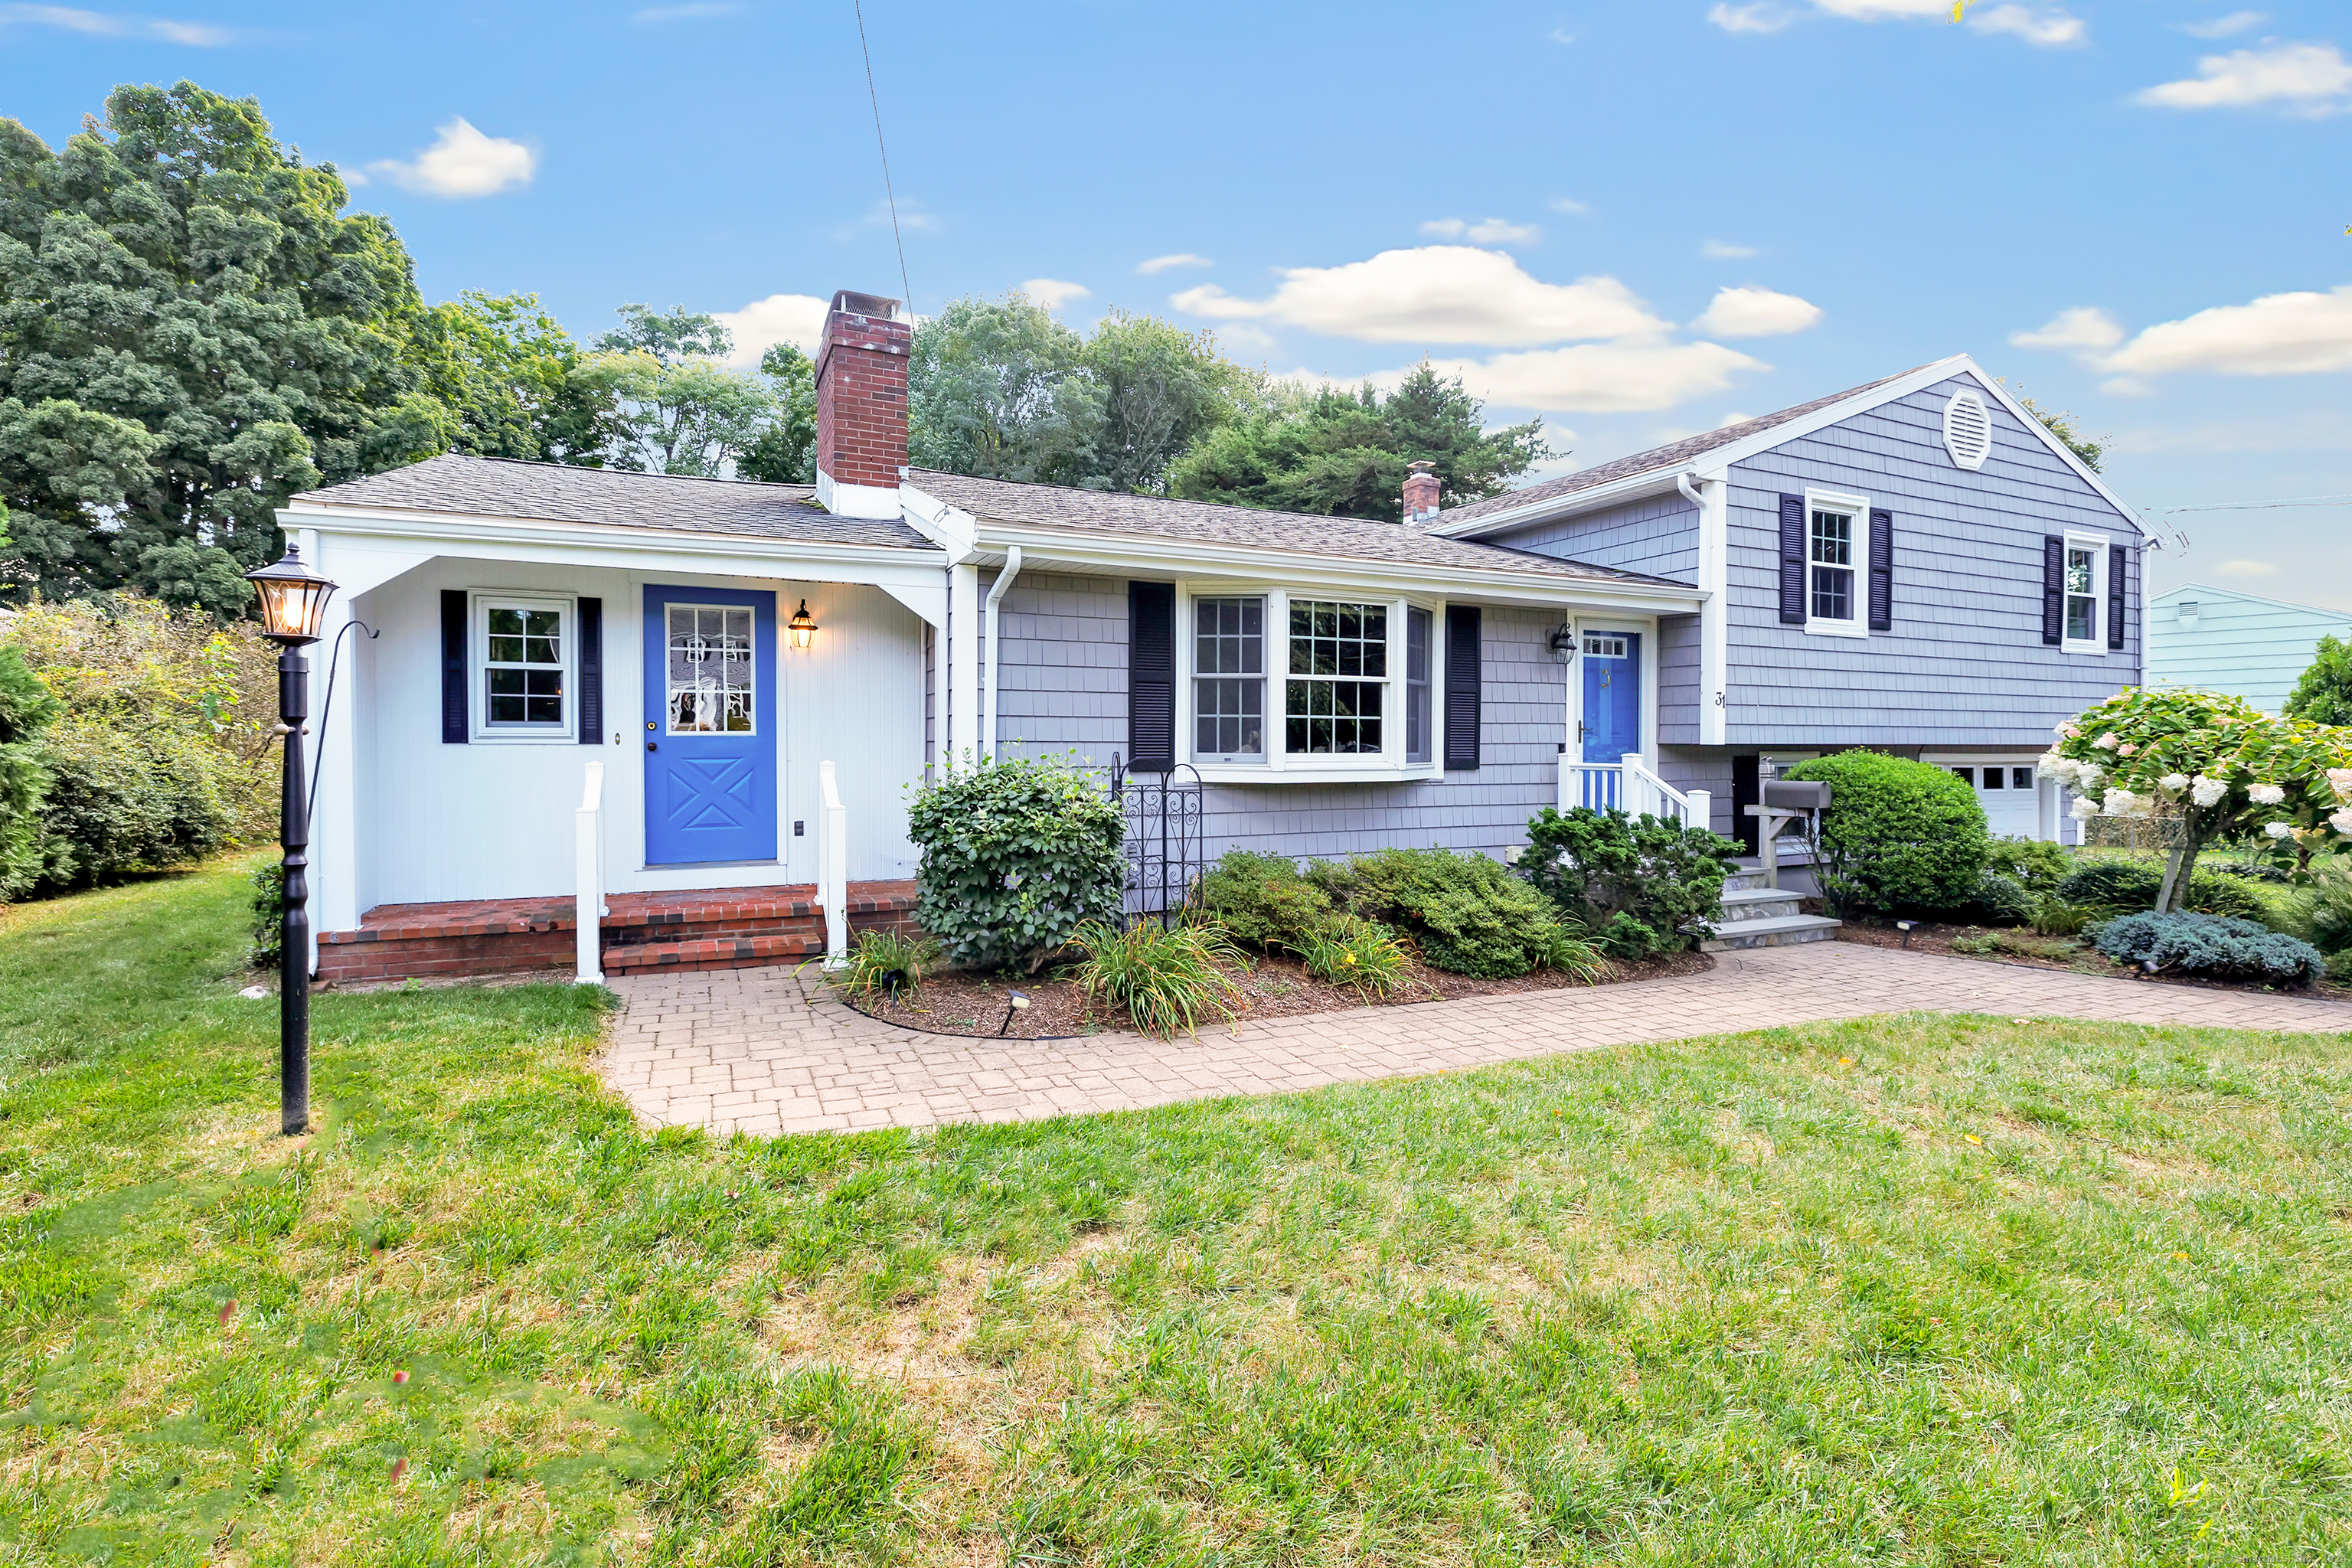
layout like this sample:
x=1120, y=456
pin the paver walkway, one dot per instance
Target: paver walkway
x=769, y=1051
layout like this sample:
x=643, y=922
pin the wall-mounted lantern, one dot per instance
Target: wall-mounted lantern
x=1563, y=641
x=801, y=626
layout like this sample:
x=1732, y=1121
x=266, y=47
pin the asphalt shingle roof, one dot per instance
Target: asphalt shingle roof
x=558, y=492
x=1674, y=454
x=1209, y=522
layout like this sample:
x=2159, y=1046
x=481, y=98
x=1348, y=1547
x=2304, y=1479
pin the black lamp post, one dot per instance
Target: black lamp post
x=293, y=603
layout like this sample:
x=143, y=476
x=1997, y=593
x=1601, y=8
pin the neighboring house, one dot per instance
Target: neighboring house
x=1850, y=573
x=2219, y=639
x=1916, y=565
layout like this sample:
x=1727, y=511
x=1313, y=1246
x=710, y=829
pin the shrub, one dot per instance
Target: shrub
x=2231, y=896
x=2053, y=916
x=1996, y=900
x=2129, y=886
x=26, y=710
x=1897, y=834
x=2210, y=945
x=887, y=961
x=2329, y=923
x=1465, y=912
x=1348, y=951
x=1016, y=856
x=2339, y=967
x=121, y=801
x=1638, y=886
x=1261, y=900
x=268, y=907
x=2034, y=863
x=1166, y=979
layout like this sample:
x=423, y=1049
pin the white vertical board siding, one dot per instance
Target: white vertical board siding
x=492, y=819
x=2248, y=646
x=1965, y=663
x=1063, y=678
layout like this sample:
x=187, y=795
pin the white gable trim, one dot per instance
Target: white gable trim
x=2207, y=592
x=1659, y=480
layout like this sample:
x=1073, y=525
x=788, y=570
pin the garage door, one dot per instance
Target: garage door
x=2012, y=806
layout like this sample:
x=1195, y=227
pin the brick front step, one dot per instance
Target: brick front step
x=720, y=928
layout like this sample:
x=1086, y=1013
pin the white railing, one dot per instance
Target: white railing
x=831, y=858
x=588, y=908
x=1629, y=785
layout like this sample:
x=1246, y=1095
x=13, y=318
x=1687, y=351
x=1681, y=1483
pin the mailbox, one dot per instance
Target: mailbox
x=1796, y=795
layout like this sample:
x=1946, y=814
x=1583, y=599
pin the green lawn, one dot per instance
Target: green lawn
x=1914, y=1290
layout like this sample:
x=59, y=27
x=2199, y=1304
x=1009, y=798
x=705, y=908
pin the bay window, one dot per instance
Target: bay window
x=1278, y=685
x=1333, y=703
x=1228, y=680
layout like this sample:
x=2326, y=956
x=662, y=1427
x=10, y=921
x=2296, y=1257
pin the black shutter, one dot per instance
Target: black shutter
x=2053, y=590
x=1882, y=570
x=2118, y=563
x=1792, y=560
x=455, y=729
x=1150, y=678
x=1462, y=681
x=592, y=672
x=1747, y=790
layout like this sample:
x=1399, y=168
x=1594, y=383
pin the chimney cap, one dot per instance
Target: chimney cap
x=1422, y=466
x=850, y=303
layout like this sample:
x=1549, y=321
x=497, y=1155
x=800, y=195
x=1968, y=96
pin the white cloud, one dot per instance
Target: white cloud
x=654, y=15
x=1721, y=252
x=2243, y=568
x=2085, y=327
x=1602, y=378
x=2048, y=28
x=1569, y=205
x=203, y=34
x=1484, y=231
x=463, y=163
x=2313, y=78
x=2046, y=25
x=1438, y=293
x=1162, y=263
x=1756, y=313
x=910, y=218
x=797, y=319
x=2301, y=333
x=2223, y=27
x=1560, y=35
x=1053, y=292
x=1760, y=17
x=1242, y=337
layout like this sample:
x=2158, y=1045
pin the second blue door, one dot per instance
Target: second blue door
x=1613, y=707
x=710, y=726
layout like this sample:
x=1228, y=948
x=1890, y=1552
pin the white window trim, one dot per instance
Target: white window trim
x=2096, y=643
x=479, y=602
x=1645, y=661
x=1281, y=767
x=1837, y=501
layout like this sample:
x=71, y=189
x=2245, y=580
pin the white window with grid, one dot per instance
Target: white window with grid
x=1229, y=679
x=1836, y=545
x=522, y=667
x=1335, y=700
x=2086, y=590
x=709, y=671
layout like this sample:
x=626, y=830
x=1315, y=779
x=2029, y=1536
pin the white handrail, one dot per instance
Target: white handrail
x=1629, y=785
x=832, y=857
x=588, y=908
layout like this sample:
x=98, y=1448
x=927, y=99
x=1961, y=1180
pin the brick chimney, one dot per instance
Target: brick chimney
x=861, y=406
x=1420, y=488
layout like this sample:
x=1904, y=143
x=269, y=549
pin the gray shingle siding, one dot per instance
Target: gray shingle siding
x=1678, y=683
x=1656, y=534
x=1064, y=675
x=1702, y=767
x=1964, y=664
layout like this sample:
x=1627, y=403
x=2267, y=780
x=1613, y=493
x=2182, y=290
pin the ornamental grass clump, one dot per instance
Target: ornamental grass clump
x=1349, y=951
x=2211, y=946
x=1166, y=979
x=889, y=962
x=1016, y=856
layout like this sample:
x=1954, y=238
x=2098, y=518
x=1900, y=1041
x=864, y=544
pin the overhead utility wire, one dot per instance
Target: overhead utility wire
x=2259, y=505
x=888, y=194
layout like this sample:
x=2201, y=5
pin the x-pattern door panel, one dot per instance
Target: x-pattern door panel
x=710, y=739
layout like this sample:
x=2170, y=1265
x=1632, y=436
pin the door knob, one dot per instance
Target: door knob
x=650, y=746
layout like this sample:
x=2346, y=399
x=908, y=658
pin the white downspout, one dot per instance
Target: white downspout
x=995, y=593
x=1714, y=613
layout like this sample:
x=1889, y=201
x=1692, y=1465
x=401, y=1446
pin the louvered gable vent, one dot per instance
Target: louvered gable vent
x=1968, y=430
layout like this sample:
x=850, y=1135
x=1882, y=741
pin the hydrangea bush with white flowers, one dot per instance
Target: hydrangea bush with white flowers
x=2221, y=767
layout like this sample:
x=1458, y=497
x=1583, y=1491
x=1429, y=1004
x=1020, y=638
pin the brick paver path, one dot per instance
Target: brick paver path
x=769, y=1051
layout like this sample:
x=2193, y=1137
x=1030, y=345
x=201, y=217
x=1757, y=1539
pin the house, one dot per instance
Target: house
x=1869, y=570
x=2221, y=640
x=1916, y=565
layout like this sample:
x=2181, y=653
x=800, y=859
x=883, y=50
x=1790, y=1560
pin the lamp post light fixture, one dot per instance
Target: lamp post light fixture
x=802, y=628
x=293, y=605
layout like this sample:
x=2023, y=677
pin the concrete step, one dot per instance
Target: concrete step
x=1743, y=904
x=1781, y=931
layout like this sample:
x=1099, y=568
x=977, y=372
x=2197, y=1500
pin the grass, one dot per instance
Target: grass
x=1906, y=1291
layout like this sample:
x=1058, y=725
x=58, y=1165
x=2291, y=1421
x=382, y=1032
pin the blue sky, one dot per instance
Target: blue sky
x=2133, y=210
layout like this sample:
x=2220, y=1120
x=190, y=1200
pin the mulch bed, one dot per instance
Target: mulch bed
x=1926, y=936
x=1272, y=988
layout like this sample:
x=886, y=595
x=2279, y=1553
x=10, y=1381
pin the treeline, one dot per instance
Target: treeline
x=193, y=328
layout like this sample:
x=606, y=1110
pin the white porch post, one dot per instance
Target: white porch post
x=963, y=663
x=334, y=822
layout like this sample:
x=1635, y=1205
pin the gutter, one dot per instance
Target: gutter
x=996, y=593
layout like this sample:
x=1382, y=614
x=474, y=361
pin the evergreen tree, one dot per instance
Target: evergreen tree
x=2324, y=694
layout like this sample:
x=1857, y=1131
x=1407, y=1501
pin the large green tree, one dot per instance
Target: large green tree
x=785, y=451
x=677, y=408
x=191, y=331
x=1344, y=454
x=2324, y=694
x=509, y=375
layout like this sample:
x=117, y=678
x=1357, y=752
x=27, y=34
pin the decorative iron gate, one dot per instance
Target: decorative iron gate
x=1162, y=848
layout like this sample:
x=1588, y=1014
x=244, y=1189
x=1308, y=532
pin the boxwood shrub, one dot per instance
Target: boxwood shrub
x=1264, y=901
x=1898, y=835
x=1637, y=885
x=1016, y=856
x=1466, y=913
x=2213, y=946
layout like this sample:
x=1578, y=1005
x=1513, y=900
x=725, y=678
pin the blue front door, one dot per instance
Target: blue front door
x=1613, y=707
x=711, y=727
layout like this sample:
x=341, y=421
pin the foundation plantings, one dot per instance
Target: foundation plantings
x=1016, y=856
